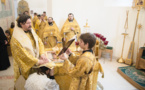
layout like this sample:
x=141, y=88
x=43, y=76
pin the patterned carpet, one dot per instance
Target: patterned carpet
x=134, y=76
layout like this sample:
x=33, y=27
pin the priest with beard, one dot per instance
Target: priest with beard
x=70, y=29
x=51, y=34
x=27, y=48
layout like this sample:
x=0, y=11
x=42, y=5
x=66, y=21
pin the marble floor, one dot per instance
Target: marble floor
x=111, y=81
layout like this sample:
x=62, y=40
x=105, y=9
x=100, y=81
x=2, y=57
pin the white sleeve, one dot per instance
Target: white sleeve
x=52, y=85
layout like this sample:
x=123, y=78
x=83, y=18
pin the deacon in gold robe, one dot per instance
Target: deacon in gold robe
x=37, y=23
x=44, y=15
x=51, y=34
x=70, y=28
x=12, y=28
x=85, y=71
x=41, y=27
x=35, y=19
x=26, y=48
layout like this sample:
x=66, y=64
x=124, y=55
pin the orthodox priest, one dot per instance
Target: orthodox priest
x=41, y=27
x=51, y=34
x=27, y=49
x=70, y=28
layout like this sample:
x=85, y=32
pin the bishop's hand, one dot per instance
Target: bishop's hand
x=43, y=57
x=68, y=51
x=40, y=62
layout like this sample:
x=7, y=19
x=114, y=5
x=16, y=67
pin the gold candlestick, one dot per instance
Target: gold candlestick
x=86, y=26
x=121, y=60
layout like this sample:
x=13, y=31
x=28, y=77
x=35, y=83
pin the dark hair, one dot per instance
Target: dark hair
x=20, y=14
x=25, y=11
x=22, y=19
x=71, y=14
x=88, y=38
x=39, y=15
x=7, y=31
x=51, y=18
x=42, y=70
x=44, y=12
x=35, y=13
x=12, y=24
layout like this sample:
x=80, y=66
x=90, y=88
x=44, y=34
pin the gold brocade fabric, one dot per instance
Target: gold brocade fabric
x=51, y=35
x=37, y=23
x=71, y=76
x=34, y=20
x=70, y=33
x=11, y=31
x=61, y=77
x=41, y=29
x=45, y=18
x=22, y=58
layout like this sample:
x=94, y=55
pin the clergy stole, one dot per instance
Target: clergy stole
x=25, y=54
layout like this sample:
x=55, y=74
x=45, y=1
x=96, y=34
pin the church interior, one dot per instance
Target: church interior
x=119, y=27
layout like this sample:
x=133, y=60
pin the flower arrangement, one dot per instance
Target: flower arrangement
x=102, y=40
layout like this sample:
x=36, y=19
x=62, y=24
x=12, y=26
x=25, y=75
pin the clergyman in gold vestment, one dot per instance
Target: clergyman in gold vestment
x=35, y=19
x=12, y=28
x=51, y=34
x=37, y=23
x=44, y=15
x=41, y=27
x=85, y=71
x=26, y=47
x=70, y=28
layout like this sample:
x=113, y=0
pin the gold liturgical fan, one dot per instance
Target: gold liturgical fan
x=129, y=59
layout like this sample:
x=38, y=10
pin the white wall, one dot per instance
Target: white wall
x=105, y=18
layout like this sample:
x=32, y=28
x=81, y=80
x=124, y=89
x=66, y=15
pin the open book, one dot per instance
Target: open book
x=66, y=46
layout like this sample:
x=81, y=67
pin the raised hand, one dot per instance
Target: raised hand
x=68, y=51
x=6, y=42
x=43, y=57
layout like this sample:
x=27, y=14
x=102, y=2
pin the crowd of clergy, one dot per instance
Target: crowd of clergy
x=30, y=37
